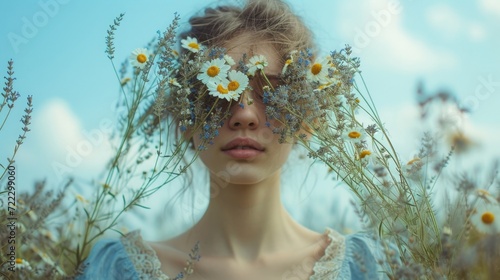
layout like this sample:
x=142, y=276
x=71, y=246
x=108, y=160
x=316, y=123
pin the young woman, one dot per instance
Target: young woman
x=246, y=233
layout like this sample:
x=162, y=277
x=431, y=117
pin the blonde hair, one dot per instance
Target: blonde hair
x=269, y=20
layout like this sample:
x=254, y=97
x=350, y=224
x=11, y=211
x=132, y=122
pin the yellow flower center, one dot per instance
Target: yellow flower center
x=364, y=153
x=488, y=218
x=221, y=89
x=288, y=62
x=213, y=71
x=354, y=134
x=19, y=260
x=316, y=68
x=194, y=45
x=233, y=85
x=141, y=58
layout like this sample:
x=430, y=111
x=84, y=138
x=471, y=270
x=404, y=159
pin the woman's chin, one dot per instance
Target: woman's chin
x=241, y=178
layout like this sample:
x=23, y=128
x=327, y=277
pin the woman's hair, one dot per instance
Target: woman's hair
x=269, y=20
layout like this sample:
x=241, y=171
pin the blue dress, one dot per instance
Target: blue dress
x=345, y=257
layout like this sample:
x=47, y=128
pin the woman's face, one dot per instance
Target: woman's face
x=246, y=151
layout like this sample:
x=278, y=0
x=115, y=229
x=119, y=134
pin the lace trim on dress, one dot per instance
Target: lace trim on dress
x=147, y=264
x=330, y=264
x=143, y=257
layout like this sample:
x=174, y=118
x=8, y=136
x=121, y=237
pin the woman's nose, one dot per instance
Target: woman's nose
x=244, y=116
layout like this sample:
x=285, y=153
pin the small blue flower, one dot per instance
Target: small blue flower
x=309, y=52
x=265, y=98
x=212, y=53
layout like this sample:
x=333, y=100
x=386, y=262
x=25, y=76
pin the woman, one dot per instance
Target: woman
x=245, y=233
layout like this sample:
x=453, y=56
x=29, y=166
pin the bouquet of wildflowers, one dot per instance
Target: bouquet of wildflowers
x=323, y=104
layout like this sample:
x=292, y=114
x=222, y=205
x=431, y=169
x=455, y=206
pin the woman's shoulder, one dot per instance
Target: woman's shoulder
x=347, y=257
x=126, y=257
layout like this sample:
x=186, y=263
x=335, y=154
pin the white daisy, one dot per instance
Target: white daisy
x=219, y=89
x=256, y=62
x=139, y=57
x=365, y=157
x=229, y=60
x=22, y=264
x=213, y=71
x=413, y=169
x=364, y=154
x=191, y=44
x=318, y=72
x=238, y=82
x=285, y=67
x=289, y=61
x=486, y=217
x=323, y=86
x=355, y=134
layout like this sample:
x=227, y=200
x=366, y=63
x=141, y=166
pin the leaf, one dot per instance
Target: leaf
x=142, y=206
x=86, y=213
x=119, y=232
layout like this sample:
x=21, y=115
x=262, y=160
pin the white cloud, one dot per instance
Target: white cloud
x=59, y=146
x=56, y=126
x=490, y=6
x=376, y=32
x=476, y=32
x=445, y=19
x=399, y=50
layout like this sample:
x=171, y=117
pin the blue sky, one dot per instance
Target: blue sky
x=58, y=49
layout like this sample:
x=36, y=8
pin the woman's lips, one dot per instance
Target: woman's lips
x=243, y=153
x=243, y=148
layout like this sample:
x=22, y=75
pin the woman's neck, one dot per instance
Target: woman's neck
x=246, y=221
